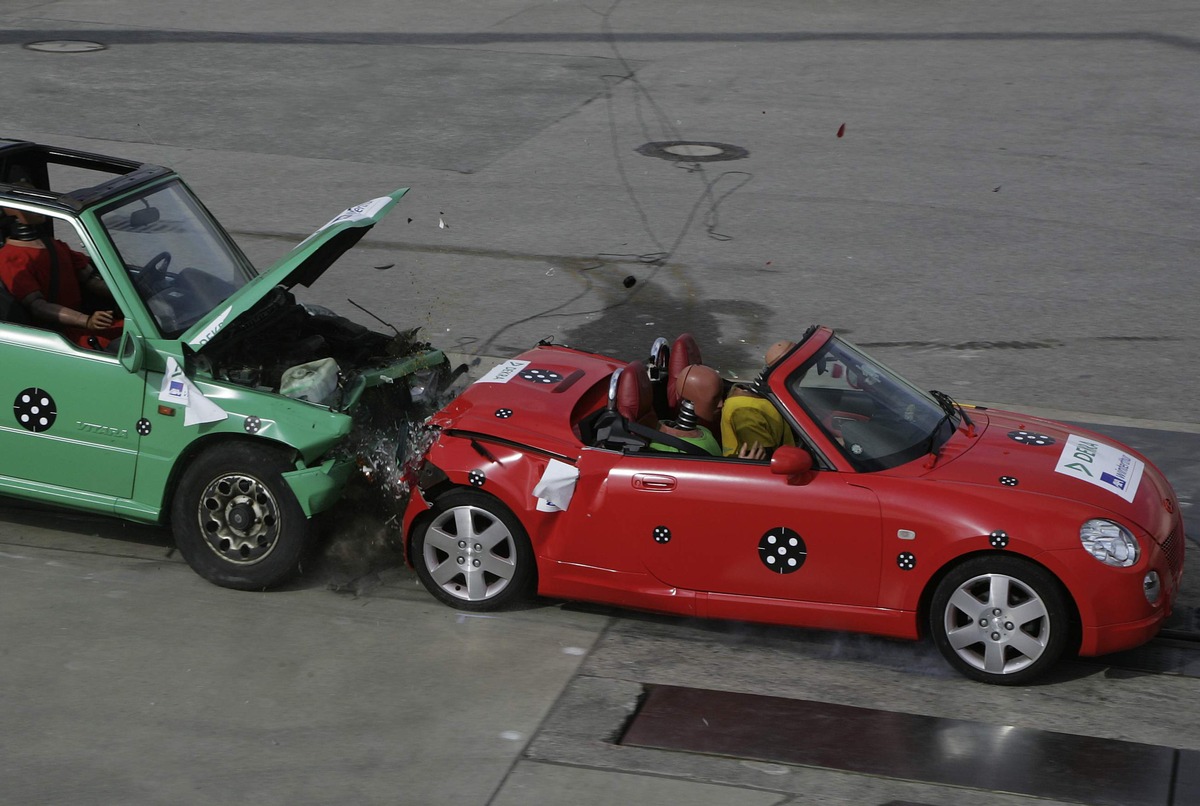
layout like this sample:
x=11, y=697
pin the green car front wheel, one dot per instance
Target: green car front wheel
x=236, y=521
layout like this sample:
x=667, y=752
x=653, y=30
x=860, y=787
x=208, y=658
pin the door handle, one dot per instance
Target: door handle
x=653, y=482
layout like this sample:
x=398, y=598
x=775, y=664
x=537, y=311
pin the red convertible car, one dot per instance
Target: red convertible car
x=1008, y=539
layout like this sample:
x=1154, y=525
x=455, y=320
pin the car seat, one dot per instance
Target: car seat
x=11, y=309
x=630, y=408
x=666, y=363
x=684, y=353
x=630, y=395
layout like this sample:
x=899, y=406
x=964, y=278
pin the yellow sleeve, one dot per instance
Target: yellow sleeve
x=749, y=420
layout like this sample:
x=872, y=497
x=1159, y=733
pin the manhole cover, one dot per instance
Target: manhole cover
x=65, y=46
x=692, y=151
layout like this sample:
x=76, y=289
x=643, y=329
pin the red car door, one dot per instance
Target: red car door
x=734, y=527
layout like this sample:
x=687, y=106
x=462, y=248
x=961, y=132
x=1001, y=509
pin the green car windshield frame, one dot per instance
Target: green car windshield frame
x=166, y=226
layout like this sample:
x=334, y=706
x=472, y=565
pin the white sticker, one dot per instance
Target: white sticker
x=556, y=487
x=178, y=389
x=356, y=213
x=1103, y=465
x=218, y=323
x=503, y=373
x=174, y=386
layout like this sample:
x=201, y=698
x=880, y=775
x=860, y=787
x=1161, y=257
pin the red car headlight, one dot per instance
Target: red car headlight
x=1109, y=542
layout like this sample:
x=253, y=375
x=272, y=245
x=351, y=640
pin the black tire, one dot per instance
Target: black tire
x=236, y=521
x=472, y=553
x=1000, y=619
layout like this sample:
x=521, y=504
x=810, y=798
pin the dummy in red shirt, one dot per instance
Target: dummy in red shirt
x=26, y=270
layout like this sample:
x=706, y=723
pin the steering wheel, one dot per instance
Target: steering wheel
x=153, y=273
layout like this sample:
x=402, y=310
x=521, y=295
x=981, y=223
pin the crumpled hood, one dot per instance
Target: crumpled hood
x=303, y=265
x=532, y=399
x=1033, y=455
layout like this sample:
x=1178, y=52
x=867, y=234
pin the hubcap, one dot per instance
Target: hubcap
x=239, y=518
x=470, y=553
x=997, y=624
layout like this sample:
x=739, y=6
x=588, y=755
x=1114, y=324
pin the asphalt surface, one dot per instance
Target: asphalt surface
x=996, y=200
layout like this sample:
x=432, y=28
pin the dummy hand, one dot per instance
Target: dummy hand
x=100, y=320
x=752, y=451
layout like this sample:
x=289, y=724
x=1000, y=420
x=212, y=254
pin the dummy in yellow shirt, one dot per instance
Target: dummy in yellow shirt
x=751, y=426
x=747, y=418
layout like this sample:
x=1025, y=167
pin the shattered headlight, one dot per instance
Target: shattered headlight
x=1109, y=542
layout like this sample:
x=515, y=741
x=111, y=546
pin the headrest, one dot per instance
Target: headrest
x=684, y=353
x=634, y=397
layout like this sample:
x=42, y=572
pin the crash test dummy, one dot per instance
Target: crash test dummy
x=48, y=278
x=751, y=426
x=702, y=389
x=686, y=428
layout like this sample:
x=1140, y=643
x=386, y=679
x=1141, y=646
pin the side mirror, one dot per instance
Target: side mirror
x=131, y=353
x=791, y=462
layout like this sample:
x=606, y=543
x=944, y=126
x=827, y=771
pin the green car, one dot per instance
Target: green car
x=223, y=406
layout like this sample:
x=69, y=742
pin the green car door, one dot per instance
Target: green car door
x=72, y=431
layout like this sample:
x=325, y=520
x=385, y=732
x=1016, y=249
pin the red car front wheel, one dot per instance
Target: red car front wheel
x=999, y=619
x=473, y=553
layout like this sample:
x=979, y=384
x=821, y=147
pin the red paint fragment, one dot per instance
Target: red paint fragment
x=841, y=130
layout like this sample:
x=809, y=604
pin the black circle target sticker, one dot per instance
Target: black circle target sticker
x=34, y=409
x=782, y=550
x=1031, y=438
x=540, y=375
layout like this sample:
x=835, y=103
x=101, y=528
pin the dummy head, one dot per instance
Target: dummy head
x=24, y=225
x=702, y=385
x=777, y=351
x=774, y=353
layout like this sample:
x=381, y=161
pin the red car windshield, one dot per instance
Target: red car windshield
x=876, y=418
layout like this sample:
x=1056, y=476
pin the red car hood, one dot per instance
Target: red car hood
x=1045, y=457
x=534, y=399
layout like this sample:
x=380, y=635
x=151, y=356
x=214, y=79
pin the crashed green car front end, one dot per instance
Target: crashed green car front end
x=311, y=431
x=226, y=406
x=243, y=371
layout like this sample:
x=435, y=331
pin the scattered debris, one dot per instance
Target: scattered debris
x=387, y=445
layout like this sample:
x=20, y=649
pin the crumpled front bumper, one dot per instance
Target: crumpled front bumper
x=319, y=487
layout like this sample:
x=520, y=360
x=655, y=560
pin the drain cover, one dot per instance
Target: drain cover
x=65, y=46
x=692, y=151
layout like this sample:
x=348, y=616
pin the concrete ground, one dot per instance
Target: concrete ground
x=997, y=200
